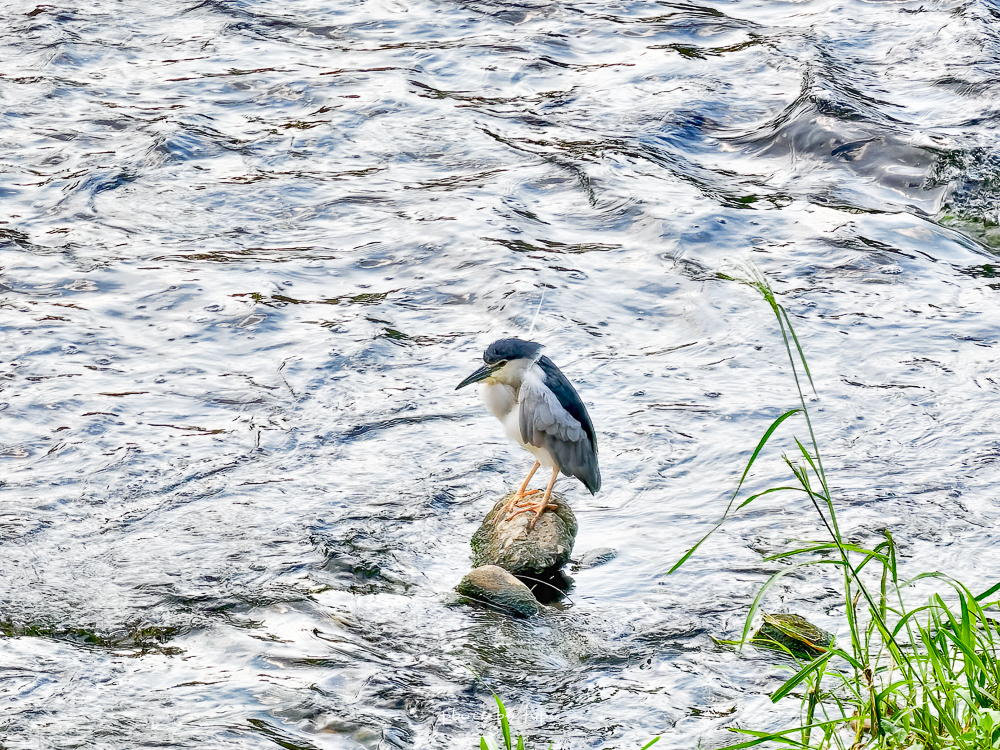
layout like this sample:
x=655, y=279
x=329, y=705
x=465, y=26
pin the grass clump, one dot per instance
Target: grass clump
x=911, y=676
x=488, y=743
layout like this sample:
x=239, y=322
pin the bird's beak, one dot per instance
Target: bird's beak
x=481, y=374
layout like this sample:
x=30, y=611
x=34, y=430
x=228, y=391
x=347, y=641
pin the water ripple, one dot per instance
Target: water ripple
x=249, y=249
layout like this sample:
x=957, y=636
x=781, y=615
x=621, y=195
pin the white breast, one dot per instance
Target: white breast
x=512, y=425
x=501, y=400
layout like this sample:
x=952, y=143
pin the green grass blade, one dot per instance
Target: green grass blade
x=806, y=455
x=798, y=347
x=763, y=441
x=909, y=615
x=762, y=737
x=931, y=574
x=650, y=743
x=768, y=492
x=504, y=723
x=686, y=555
x=846, y=657
x=825, y=546
x=816, y=664
x=989, y=592
x=893, y=566
x=760, y=447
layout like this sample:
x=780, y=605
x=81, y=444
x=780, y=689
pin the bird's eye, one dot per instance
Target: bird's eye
x=502, y=363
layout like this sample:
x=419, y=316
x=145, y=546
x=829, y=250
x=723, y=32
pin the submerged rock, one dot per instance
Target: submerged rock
x=593, y=558
x=792, y=632
x=505, y=541
x=495, y=587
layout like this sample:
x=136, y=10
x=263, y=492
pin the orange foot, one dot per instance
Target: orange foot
x=537, y=509
x=516, y=499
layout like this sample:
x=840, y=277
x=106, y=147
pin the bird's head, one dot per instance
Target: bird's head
x=505, y=361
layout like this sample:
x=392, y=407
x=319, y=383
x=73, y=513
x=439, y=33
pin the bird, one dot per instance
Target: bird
x=541, y=410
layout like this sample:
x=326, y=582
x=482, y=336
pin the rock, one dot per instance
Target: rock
x=794, y=633
x=505, y=541
x=494, y=586
x=593, y=558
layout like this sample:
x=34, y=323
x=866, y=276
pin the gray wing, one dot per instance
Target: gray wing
x=546, y=423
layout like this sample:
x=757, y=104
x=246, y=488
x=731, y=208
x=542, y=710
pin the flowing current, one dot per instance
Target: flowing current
x=249, y=248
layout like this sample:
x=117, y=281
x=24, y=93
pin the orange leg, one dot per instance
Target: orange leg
x=542, y=505
x=522, y=493
x=524, y=485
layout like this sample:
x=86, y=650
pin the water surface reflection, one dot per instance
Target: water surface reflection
x=248, y=248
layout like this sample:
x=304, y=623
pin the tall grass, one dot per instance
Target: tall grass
x=911, y=677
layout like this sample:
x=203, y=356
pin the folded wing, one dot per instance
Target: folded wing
x=553, y=417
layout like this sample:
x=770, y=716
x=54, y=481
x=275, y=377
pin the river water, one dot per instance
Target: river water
x=249, y=249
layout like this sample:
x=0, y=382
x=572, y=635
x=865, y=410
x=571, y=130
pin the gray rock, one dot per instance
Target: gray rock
x=496, y=587
x=505, y=541
x=593, y=558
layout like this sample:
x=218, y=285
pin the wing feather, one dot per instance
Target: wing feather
x=553, y=417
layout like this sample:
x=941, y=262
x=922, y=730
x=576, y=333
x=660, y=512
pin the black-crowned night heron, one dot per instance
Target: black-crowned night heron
x=542, y=411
